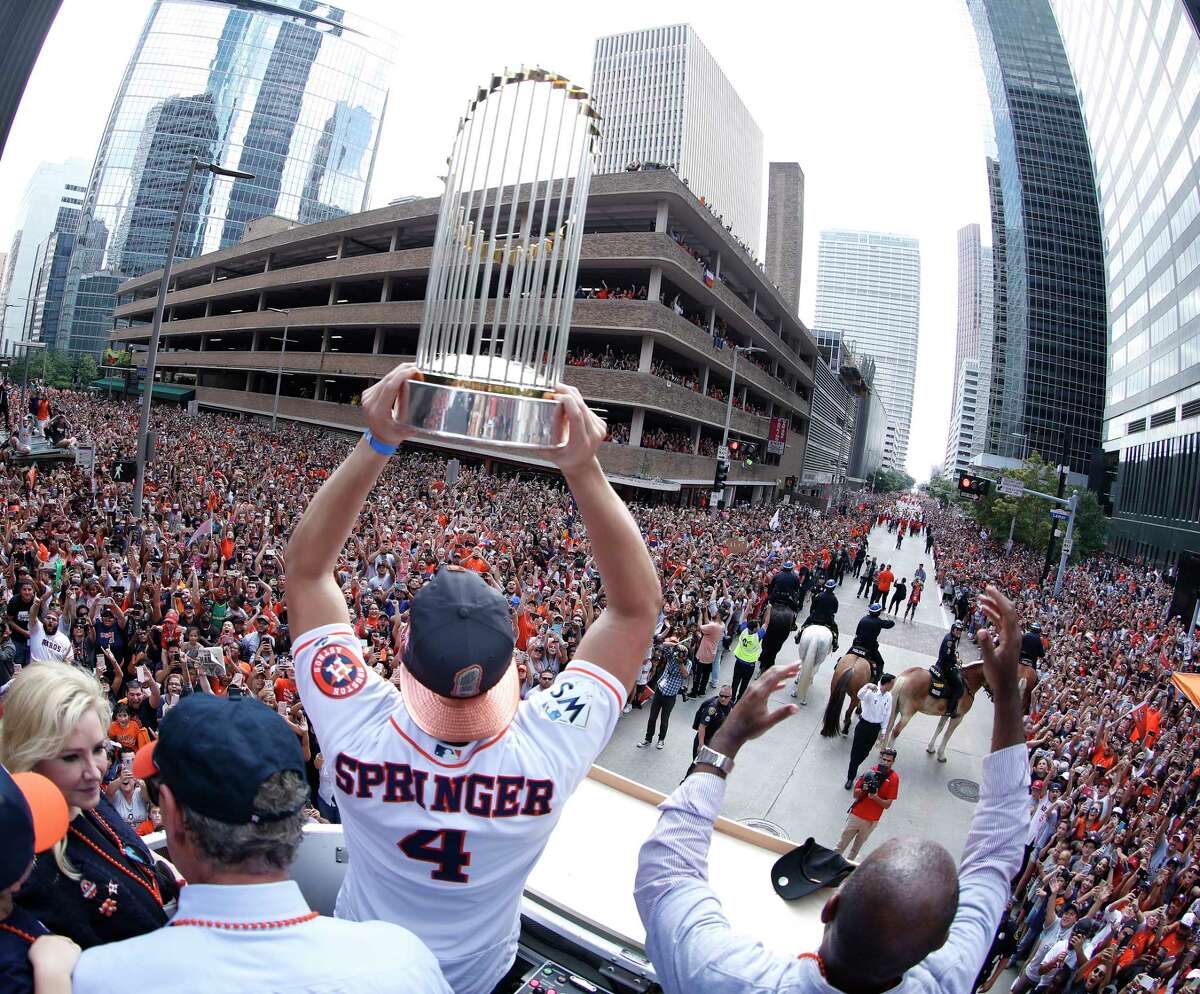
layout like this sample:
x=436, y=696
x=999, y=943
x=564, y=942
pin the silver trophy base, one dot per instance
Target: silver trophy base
x=515, y=420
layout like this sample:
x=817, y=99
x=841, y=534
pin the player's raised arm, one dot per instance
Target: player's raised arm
x=617, y=641
x=313, y=596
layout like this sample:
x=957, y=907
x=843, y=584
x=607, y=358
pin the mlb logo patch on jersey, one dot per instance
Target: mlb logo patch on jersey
x=568, y=702
x=338, y=672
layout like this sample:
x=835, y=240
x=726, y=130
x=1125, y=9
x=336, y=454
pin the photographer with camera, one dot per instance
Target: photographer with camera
x=874, y=792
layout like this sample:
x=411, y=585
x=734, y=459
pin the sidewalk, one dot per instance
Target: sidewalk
x=793, y=778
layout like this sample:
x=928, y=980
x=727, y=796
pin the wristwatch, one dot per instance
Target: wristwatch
x=710, y=757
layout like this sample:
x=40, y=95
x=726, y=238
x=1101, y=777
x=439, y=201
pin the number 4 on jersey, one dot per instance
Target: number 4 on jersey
x=445, y=848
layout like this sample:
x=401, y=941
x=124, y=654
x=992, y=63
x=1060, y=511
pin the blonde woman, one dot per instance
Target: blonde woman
x=100, y=883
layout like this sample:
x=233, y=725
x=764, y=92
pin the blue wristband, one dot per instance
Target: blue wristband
x=381, y=447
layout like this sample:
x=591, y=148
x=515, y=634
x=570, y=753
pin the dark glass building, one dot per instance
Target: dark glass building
x=1050, y=354
x=293, y=91
x=45, y=303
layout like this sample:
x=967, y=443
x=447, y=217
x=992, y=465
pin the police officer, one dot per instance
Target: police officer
x=747, y=647
x=785, y=587
x=1032, y=647
x=947, y=667
x=823, y=612
x=710, y=716
x=866, y=638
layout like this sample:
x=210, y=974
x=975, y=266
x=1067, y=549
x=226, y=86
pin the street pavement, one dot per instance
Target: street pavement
x=792, y=777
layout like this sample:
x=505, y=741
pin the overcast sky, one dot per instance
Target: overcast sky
x=880, y=101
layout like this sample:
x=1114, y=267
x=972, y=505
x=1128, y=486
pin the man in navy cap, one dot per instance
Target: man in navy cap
x=228, y=777
x=33, y=817
x=449, y=789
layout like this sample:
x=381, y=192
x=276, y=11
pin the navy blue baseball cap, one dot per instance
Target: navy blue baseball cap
x=458, y=681
x=875, y=608
x=215, y=754
x=33, y=817
x=830, y=584
x=789, y=564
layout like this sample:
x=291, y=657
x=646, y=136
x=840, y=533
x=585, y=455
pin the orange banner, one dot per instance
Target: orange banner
x=1189, y=683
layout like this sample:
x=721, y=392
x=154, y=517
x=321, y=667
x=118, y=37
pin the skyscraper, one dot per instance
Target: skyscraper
x=1048, y=362
x=1138, y=71
x=972, y=352
x=293, y=91
x=869, y=292
x=54, y=185
x=665, y=100
x=49, y=280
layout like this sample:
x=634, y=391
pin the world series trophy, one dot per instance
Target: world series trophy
x=493, y=339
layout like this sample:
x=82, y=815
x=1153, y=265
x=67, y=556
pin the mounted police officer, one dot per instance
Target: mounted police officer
x=947, y=666
x=785, y=587
x=823, y=611
x=1032, y=647
x=866, y=638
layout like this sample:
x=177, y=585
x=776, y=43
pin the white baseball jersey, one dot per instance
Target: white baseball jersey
x=443, y=837
x=45, y=648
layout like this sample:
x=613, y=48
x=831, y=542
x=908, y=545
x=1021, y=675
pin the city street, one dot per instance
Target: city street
x=793, y=777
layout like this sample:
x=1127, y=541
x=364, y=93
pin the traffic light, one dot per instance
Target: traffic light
x=734, y=448
x=973, y=487
x=749, y=454
x=721, y=474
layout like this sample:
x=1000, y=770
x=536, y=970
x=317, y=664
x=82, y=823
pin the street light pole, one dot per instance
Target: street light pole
x=1064, y=455
x=1067, y=542
x=287, y=311
x=156, y=327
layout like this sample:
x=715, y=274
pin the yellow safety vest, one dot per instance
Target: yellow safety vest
x=749, y=646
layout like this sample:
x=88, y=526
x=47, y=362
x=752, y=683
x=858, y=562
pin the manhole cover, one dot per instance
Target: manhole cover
x=964, y=790
x=762, y=825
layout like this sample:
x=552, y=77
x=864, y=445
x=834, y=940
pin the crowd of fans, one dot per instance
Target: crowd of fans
x=188, y=600
x=608, y=359
x=606, y=292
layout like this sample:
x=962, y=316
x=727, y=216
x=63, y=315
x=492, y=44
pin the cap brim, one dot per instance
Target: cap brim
x=466, y=719
x=143, y=761
x=48, y=807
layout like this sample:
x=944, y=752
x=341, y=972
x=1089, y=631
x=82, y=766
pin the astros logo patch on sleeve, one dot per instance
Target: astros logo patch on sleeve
x=338, y=672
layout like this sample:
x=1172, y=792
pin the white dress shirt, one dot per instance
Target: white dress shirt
x=695, y=950
x=320, y=956
x=876, y=704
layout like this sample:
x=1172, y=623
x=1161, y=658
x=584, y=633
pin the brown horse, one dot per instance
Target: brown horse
x=910, y=695
x=851, y=674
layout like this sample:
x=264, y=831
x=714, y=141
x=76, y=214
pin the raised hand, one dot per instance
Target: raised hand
x=585, y=431
x=1000, y=642
x=752, y=715
x=381, y=401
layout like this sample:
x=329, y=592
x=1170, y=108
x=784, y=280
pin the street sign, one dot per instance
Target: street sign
x=1011, y=487
x=723, y=453
x=85, y=456
x=1067, y=544
x=1058, y=532
x=715, y=497
x=1060, y=515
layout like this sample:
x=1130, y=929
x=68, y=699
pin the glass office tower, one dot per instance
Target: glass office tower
x=1138, y=70
x=869, y=292
x=293, y=91
x=1050, y=319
